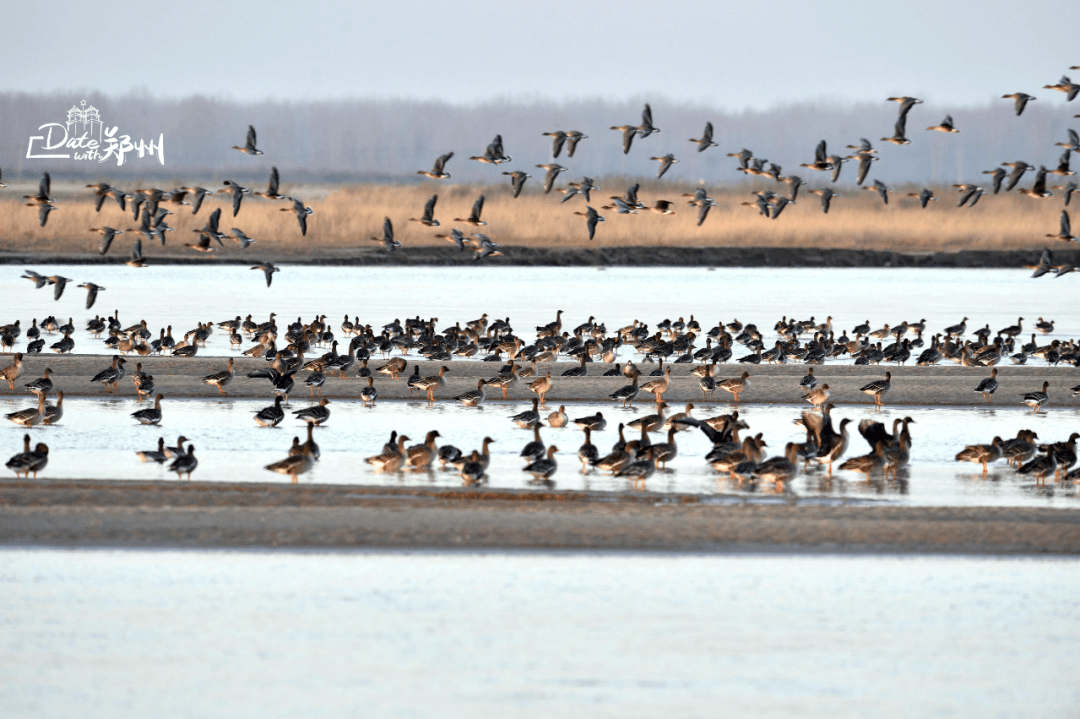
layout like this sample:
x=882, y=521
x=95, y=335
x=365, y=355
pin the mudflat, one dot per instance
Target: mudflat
x=170, y=514
x=945, y=385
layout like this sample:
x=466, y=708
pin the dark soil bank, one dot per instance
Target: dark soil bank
x=589, y=257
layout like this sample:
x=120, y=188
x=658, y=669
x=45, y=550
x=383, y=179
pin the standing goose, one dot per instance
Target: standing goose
x=42, y=385
x=432, y=383
x=220, y=379
x=659, y=386
x=54, y=412
x=420, y=456
x=473, y=398
x=249, y=147
x=588, y=453
x=628, y=393
x=315, y=415
x=26, y=462
x=270, y=416
x=983, y=454
x=151, y=455
x=736, y=385
x=543, y=468
x=111, y=376
x=780, y=470
x=438, y=172
x=151, y=415
x=594, y=422
x=294, y=465
x=818, y=396
x=878, y=388
x=1036, y=400
x=558, y=418
x=651, y=422
x=808, y=382
x=369, y=394
x=30, y=416
x=988, y=386
x=1041, y=466
x=391, y=458
x=867, y=463
x=184, y=463
x=542, y=386
x=534, y=450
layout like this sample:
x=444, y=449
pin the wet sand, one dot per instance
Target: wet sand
x=643, y=256
x=173, y=514
x=945, y=385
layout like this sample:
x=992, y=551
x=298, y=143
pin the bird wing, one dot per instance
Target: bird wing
x=302, y=219
x=819, y=153
x=237, y=198
x=429, y=207
x=136, y=251
x=273, y=188
x=646, y=116
x=477, y=208
x=251, y=136
x=388, y=230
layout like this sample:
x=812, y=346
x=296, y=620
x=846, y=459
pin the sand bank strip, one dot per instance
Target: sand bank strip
x=946, y=385
x=164, y=514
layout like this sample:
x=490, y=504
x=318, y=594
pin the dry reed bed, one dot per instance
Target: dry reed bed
x=346, y=216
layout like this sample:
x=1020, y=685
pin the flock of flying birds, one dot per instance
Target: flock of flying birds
x=148, y=204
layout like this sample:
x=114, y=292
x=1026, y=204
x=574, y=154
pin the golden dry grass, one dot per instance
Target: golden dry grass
x=346, y=216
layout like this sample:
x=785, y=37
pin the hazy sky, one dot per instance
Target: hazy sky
x=730, y=54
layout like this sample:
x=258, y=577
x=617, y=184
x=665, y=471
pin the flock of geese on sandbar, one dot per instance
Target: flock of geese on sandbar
x=149, y=203
x=517, y=363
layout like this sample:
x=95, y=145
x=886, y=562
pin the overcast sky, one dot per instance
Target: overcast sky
x=729, y=54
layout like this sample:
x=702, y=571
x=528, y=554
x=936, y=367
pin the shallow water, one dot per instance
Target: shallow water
x=98, y=439
x=534, y=634
x=182, y=296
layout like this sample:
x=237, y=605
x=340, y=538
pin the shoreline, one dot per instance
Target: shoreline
x=643, y=256
x=157, y=514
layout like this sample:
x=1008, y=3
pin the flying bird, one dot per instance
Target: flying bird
x=591, y=218
x=493, y=154
x=706, y=140
x=237, y=192
x=301, y=213
x=268, y=268
x=665, y=163
x=107, y=235
x=428, y=218
x=249, y=146
x=243, y=240
x=91, y=293
x=1021, y=100
x=925, y=196
x=998, y=176
x=945, y=126
x=438, y=172
x=880, y=188
x=826, y=197
x=387, y=239
x=474, y=216
x=1065, y=233
x=272, y=187
x=1066, y=86
x=646, y=127
x=517, y=180
x=553, y=171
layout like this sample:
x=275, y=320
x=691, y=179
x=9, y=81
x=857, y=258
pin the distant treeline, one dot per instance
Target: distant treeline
x=378, y=140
